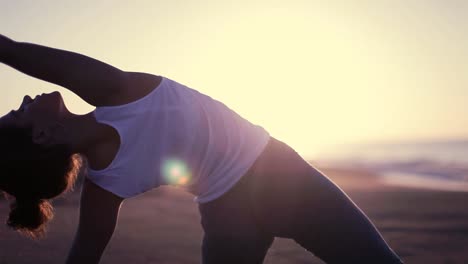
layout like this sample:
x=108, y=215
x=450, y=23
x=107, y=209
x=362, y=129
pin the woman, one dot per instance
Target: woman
x=148, y=131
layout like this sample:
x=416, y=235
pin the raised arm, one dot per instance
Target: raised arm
x=99, y=210
x=92, y=80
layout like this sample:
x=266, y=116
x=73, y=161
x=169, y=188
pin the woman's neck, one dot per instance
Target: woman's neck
x=83, y=133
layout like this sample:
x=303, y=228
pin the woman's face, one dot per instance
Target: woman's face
x=42, y=111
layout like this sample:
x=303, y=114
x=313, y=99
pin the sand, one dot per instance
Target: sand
x=162, y=226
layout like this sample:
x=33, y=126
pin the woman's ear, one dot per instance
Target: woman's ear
x=48, y=135
x=42, y=136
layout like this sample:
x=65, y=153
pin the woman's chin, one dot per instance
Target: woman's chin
x=63, y=111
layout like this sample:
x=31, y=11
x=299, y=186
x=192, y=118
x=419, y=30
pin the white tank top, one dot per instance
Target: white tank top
x=178, y=136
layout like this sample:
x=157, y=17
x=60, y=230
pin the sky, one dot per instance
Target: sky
x=312, y=73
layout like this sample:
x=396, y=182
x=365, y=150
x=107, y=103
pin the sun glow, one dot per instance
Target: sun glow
x=313, y=73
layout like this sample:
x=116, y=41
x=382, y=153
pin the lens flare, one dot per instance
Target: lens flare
x=175, y=172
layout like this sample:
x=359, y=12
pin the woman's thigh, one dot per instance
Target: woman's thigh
x=292, y=199
x=231, y=234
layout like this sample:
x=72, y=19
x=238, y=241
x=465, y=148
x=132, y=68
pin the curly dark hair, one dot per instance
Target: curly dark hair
x=34, y=174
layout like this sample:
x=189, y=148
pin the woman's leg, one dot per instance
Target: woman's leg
x=231, y=233
x=294, y=200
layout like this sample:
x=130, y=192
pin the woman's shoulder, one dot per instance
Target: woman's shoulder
x=138, y=85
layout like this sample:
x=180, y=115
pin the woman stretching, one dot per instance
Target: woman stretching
x=148, y=130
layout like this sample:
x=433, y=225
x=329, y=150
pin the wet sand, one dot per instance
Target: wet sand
x=162, y=226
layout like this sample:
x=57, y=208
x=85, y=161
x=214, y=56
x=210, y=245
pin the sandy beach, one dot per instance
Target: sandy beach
x=162, y=226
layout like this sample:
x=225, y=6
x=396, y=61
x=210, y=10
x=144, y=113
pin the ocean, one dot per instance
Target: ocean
x=439, y=165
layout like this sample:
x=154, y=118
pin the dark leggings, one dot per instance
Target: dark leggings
x=283, y=196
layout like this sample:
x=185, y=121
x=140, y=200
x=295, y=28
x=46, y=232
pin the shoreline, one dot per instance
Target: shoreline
x=364, y=178
x=410, y=180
